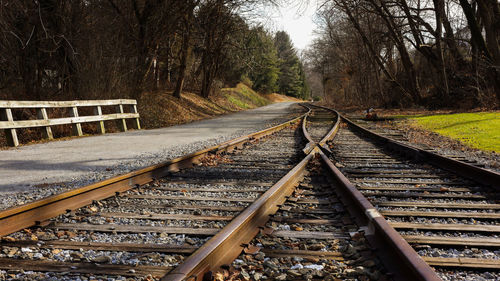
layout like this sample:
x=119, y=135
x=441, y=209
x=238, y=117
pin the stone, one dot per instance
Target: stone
x=76, y=255
x=281, y=277
x=56, y=251
x=349, y=250
x=304, y=271
x=361, y=270
x=26, y=250
x=260, y=256
x=294, y=273
x=190, y=241
x=312, y=259
x=245, y=275
x=271, y=265
x=47, y=236
x=316, y=247
x=350, y=272
x=10, y=251
x=102, y=259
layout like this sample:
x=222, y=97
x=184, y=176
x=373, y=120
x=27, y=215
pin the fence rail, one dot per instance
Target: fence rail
x=9, y=125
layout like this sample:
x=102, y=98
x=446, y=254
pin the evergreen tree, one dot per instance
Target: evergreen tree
x=263, y=61
x=291, y=81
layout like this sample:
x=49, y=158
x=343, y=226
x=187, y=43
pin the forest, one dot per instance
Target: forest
x=439, y=53
x=102, y=49
x=430, y=53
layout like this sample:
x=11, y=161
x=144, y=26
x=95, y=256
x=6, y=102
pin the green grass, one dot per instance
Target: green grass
x=253, y=96
x=244, y=97
x=477, y=130
x=239, y=103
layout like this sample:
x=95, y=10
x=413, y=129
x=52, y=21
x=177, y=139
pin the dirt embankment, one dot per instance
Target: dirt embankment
x=162, y=109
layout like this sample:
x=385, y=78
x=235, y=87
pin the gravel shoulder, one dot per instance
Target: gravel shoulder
x=35, y=171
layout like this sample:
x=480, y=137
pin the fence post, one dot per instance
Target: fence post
x=136, y=123
x=121, y=122
x=100, y=127
x=77, y=127
x=10, y=134
x=41, y=113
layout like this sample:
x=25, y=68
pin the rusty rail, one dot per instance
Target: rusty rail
x=227, y=244
x=37, y=212
x=223, y=248
x=398, y=255
x=474, y=173
x=322, y=143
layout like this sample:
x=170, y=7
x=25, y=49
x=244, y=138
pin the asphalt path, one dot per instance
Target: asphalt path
x=88, y=159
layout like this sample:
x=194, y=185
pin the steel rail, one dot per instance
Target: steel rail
x=398, y=255
x=322, y=143
x=227, y=244
x=472, y=172
x=223, y=248
x=333, y=131
x=37, y=212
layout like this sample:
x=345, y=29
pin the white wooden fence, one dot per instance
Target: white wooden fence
x=9, y=125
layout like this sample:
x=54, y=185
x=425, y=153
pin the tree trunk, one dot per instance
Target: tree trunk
x=438, y=8
x=450, y=37
x=487, y=11
x=475, y=31
x=389, y=76
x=184, y=55
x=397, y=37
x=206, y=84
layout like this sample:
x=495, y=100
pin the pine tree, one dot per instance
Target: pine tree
x=291, y=81
x=264, y=70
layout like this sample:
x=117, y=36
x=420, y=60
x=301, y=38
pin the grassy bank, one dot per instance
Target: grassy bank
x=477, y=130
x=162, y=109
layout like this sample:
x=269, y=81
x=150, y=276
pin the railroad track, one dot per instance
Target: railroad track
x=147, y=230
x=402, y=137
x=310, y=237
x=448, y=211
x=286, y=216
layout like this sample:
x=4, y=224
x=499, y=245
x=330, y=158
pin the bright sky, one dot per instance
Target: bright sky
x=297, y=20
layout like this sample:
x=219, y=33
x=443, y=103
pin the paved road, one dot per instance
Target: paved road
x=87, y=159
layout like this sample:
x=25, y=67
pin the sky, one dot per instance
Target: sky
x=296, y=20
